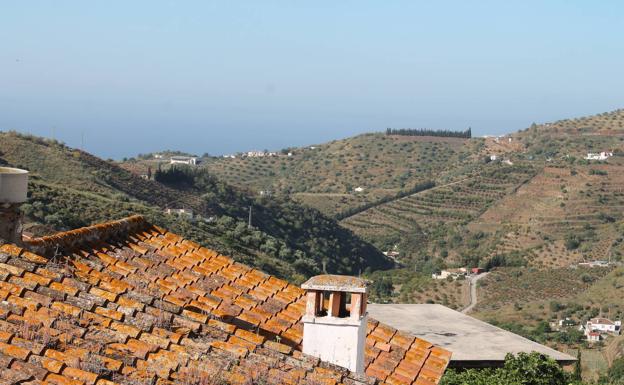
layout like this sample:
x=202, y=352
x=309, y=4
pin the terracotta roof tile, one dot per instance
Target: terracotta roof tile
x=146, y=304
x=14, y=351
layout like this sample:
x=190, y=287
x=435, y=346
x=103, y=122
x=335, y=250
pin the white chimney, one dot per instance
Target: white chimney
x=333, y=331
x=13, y=190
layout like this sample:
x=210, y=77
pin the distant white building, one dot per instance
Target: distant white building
x=186, y=213
x=598, y=156
x=158, y=156
x=453, y=273
x=493, y=157
x=595, y=264
x=259, y=154
x=358, y=189
x=192, y=161
x=391, y=254
x=602, y=325
x=593, y=336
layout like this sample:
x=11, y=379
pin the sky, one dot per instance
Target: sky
x=128, y=77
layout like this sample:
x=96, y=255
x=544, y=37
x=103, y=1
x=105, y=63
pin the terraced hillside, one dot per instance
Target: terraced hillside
x=564, y=215
x=572, y=139
x=325, y=176
x=457, y=202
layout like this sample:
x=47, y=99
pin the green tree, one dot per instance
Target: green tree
x=523, y=369
x=577, y=375
x=616, y=371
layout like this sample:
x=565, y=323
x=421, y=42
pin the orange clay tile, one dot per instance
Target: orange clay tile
x=10, y=249
x=127, y=302
x=23, y=302
x=14, y=351
x=96, y=319
x=107, y=259
x=41, y=280
x=197, y=317
x=52, y=365
x=81, y=375
x=115, y=286
x=66, y=308
x=175, y=300
x=17, y=271
x=64, y=288
x=284, y=349
x=125, y=329
x=249, y=336
x=136, y=342
x=34, y=258
x=102, y=381
x=5, y=336
x=237, y=341
x=138, y=249
x=112, y=297
x=56, y=379
x=234, y=349
x=109, y=313
x=153, y=339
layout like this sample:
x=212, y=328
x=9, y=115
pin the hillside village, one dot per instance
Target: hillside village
x=523, y=231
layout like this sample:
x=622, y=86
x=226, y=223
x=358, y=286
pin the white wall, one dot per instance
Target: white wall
x=340, y=341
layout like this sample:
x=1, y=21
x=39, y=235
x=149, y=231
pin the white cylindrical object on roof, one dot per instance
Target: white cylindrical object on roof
x=13, y=185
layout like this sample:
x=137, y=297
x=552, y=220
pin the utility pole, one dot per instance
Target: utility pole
x=249, y=224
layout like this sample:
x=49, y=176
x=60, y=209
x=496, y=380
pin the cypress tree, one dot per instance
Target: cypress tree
x=577, y=367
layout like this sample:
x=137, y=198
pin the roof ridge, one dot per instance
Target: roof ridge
x=101, y=232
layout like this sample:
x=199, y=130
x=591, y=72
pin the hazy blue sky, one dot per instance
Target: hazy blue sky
x=205, y=76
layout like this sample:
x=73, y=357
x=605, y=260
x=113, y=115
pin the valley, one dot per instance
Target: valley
x=547, y=223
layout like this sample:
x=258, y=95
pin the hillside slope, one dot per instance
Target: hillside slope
x=326, y=176
x=71, y=188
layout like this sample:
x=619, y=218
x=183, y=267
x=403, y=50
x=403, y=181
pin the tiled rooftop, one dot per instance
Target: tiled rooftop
x=129, y=303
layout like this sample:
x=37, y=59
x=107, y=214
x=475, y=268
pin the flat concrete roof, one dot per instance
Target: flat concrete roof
x=468, y=338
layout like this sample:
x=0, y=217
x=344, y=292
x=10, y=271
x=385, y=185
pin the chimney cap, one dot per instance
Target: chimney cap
x=332, y=282
x=13, y=185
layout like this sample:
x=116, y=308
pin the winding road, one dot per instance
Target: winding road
x=472, y=281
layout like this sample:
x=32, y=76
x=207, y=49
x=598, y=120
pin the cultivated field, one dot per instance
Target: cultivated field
x=457, y=202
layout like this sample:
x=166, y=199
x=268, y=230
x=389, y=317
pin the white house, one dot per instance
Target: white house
x=596, y=263
x=358, y=189
x=493, y=157
x=593, y=336
x=192, y=161
x=187, y=213
x=391, y=254
x=602, y=325
x=453, y=273
x=598, y=156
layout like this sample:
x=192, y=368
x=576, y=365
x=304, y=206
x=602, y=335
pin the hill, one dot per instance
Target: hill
x=70, y=188
x=326, y=176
